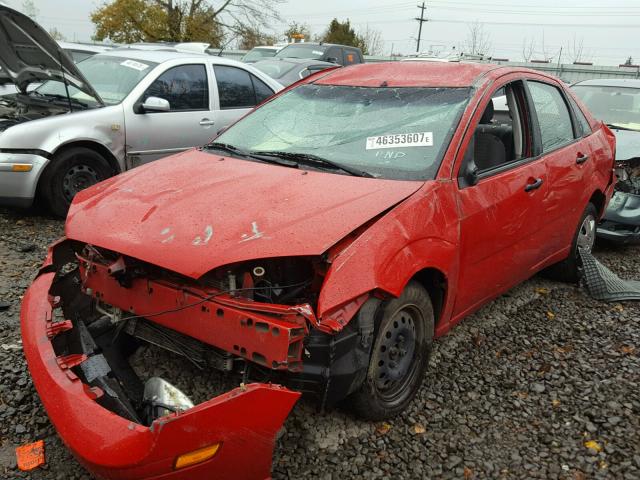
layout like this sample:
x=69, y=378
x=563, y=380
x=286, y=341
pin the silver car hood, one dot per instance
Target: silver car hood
x=28, y=54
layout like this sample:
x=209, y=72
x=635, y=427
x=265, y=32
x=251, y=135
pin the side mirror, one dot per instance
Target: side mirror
x=332, y=60
x=469, y=172
x=155, y=104
x=469, y=176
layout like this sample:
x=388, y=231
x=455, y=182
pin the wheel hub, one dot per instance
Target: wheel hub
x=78, y=178
x=396, y=351
x=587, y=234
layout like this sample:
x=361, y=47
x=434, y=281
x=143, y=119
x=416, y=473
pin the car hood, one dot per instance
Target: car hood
x=627, y=144
x=193, y=212
x=28, y=54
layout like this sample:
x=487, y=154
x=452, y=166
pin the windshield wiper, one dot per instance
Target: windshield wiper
x=310, y=160
x=225, y=147
x=63, y=98
x=620, y=127
x=238, y=152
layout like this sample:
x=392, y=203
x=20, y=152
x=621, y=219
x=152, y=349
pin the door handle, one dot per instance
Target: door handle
x=581, y=158
x=533, y=186
x=205, y=122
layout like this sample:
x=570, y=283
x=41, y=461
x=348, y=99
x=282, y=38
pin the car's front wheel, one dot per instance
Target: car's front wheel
x=70, y=171
x=570, y=269
x=399, y=356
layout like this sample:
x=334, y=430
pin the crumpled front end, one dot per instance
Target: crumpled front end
x=78, y=353
x=621, y=220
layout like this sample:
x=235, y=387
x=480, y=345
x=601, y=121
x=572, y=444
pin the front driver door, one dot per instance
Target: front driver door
x=188, y=123
x=500, y=215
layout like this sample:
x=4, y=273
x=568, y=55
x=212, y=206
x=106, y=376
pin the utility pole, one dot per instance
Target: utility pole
x=421, y=20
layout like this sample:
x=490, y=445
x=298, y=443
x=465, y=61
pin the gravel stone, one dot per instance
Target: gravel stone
x=511, y=392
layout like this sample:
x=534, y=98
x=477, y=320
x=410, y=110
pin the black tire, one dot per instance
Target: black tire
x=399, y=356
x=570, y=269
x=70, y=171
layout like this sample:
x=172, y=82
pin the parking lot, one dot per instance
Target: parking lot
x=541, y=383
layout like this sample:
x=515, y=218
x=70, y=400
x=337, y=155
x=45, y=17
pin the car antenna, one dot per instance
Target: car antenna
x=64, y=80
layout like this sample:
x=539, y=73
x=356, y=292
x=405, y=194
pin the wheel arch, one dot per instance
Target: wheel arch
x=435, y=283
x=599, y=200
x=95, y=146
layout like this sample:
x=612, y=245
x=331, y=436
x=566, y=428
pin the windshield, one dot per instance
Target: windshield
x=396, y=133
x=302, y=51
x=112, y=77
x=258, y=54
x=613, y=105
x=275, y=68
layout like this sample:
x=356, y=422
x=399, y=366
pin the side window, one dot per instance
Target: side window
x=350, y=56
x=185, y=88
x=263, y=91
x=585, y=127
x=553, y=115
x=334, y=54
x=238, y=88
x=500, y=136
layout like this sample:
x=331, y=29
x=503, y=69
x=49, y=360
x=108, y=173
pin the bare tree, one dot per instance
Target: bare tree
x=372, y=40
x=575, y=49
x=57, y=34
x=528, y=47
x=478, y=41
x=29, y=9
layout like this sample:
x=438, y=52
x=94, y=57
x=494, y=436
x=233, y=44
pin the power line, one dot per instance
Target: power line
x=420, y=20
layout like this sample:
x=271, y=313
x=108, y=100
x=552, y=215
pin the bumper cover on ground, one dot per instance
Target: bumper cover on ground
x=244, y=421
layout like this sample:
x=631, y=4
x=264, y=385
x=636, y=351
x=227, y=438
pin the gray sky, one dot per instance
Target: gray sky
x=609, y=30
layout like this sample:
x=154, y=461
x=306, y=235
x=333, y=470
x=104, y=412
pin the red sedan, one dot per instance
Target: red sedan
x=317, y=246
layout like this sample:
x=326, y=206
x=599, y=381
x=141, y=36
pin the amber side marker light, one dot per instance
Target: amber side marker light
x=197, y=456
x=21, y=167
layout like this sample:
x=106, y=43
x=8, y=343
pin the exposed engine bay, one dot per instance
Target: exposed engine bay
x=628, y=172
x=247, y=322
x=19, y=108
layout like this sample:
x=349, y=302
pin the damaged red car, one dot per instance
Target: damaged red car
x=317, y=247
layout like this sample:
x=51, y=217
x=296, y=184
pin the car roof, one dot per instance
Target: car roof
x=412, y=74
x=86, y=47
x=296, y=61
x=160, y=56
x=611, y=82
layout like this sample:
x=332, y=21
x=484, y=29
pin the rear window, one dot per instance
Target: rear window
x=275, y=68
x=237, y=88
x=302, y=51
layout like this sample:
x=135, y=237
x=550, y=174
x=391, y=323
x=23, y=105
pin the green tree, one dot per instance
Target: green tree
x=343, y=34
x=127, y=21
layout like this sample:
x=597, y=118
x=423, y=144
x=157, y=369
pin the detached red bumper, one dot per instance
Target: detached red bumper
x=244, y=421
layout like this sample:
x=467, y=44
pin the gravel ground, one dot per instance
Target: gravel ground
x=541, y=383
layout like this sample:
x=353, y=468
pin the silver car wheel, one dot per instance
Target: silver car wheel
x=587, y=234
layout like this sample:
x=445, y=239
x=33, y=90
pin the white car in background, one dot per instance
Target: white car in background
x=107, y=114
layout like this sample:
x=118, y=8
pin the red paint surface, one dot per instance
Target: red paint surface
x=244, y=420
x=295, y=212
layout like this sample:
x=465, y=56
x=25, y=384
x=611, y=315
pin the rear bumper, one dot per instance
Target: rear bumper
x=618, y=235
x=244, y=420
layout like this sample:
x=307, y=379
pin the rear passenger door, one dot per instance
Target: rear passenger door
x=567, y=156
x=238, y=91
x=152, y=135
x=502, y=183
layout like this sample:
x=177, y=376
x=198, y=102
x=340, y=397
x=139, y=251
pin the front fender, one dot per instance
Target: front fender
x=104, y=126
x=421, y=232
